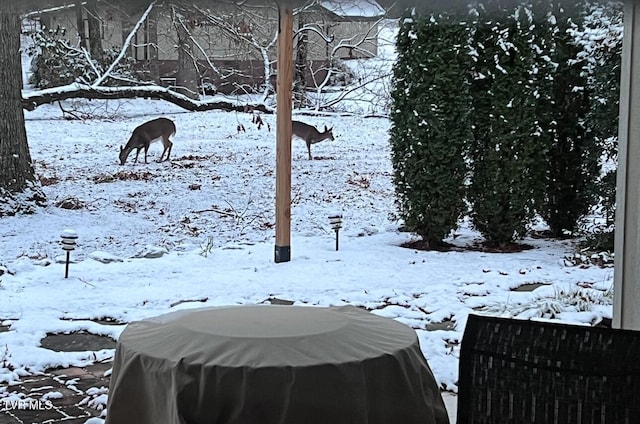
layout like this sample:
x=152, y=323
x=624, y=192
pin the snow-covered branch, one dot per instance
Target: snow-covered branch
x=34, y=99
x=313, y=28
x=345, y=93
x=125, y=46
x=49, y=10
x=355, y=43
x=245, y=36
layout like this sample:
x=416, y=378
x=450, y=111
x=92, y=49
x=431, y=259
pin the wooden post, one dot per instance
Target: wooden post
x=283, y=132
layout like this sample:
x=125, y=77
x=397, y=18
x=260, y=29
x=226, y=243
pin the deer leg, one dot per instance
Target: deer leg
x=169, y=151
x=167, y=148
x=137, y=153
x=146, y=149
x=309, y=150
x=164, y=149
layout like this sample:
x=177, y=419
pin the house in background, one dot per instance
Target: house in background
x=353, y=24
x=228, y=47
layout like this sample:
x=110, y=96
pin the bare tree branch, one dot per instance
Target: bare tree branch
x=352, y=43
x=313, y=28
x=125, y=46
x=247, y=37
x=48, y=9
x=344, y=93
x=252, y=38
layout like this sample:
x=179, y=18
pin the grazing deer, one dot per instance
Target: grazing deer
x=310, y=134
x=145, y=134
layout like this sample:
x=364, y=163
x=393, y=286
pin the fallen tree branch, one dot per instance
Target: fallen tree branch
x=32, y=100
x=218, y=211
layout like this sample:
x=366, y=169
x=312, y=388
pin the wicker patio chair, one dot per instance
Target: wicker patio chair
x=516, y=371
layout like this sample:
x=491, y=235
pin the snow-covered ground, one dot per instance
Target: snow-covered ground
x=211, y=209
x=209, y=216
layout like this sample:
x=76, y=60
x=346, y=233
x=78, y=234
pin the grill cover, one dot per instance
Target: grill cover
x=266, y=364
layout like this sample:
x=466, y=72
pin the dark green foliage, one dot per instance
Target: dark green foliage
x=601, y=240
x=574, y=153
x=601, y=40
x=509, y=146
x=429, y=130
x=606, y=189
x=543, y=85
x=600, y=236
x=51, y=64
x=56, y=63
x=605, y=57
x=605, y=81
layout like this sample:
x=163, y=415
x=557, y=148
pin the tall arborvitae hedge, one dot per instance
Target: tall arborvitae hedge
x=530, y=122
x=429, y=115
x=509, y=147
x=602, y=42
x=574, y=154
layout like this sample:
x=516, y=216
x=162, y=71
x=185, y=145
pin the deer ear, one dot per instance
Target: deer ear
x=121, y=148
x=325, y=128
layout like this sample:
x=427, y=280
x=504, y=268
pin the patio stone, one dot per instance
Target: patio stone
x=528, y=287
x=77, y=342
x=73, y=383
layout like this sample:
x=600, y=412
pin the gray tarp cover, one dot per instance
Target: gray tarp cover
x=270, y=365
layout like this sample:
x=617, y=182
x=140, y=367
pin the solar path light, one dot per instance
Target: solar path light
x=69, y=238
x=335, y=219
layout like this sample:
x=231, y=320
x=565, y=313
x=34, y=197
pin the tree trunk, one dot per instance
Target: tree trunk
x=16, y=171
x=15, y=161
x=187, y=78
x=95, y=36
x=300, y=77
x=82, y=35
x=154, y=64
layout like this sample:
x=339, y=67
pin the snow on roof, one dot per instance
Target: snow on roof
x=354, y=8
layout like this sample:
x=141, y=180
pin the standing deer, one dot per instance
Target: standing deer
x=310, y=134
x=145, y=134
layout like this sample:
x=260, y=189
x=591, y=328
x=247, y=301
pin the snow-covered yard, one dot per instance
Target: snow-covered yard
x=199, y=231
x=210, y=210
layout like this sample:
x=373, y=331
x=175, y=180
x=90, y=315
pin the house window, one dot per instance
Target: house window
x=87, y=29
x=141, y=42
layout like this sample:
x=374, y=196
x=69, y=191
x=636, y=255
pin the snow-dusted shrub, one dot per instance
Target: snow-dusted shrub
x=430, y=127
x=509, y=146
x=563, y=300
x=56, y=63
x=601, y=41
x=574, y=151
